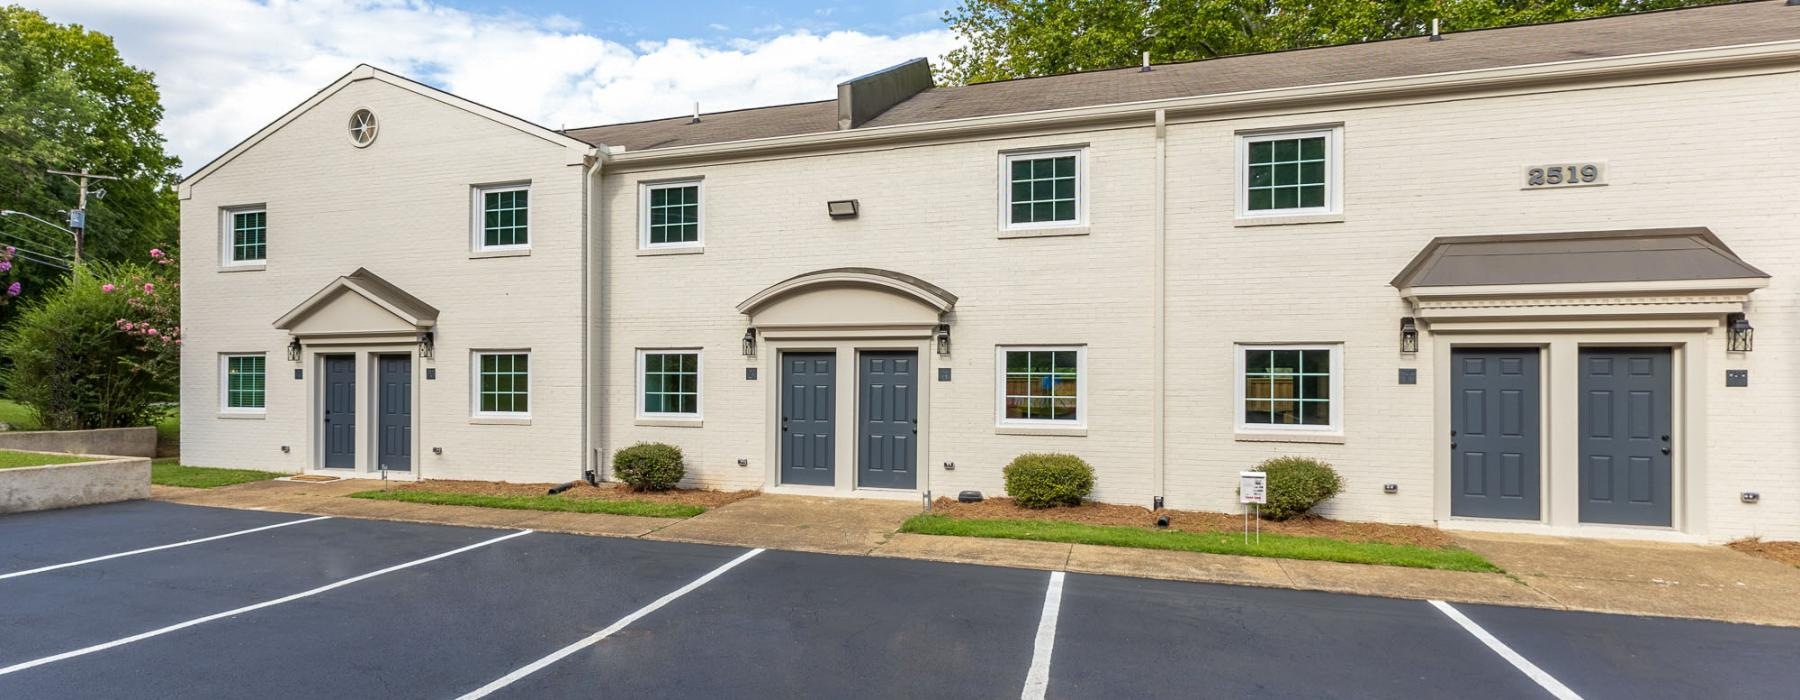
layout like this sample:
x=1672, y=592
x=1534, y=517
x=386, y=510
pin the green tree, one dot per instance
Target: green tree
x=68, y=101
x=1005, y=39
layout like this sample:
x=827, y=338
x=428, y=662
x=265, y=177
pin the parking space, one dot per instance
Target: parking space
x=348, y=608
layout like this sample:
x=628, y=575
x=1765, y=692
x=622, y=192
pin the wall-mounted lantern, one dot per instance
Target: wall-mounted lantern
x=427, y=344
x=1739, y=336
x=294, y=350
x=943, y=339
x=1409, y=334
x=749, y=342
x=842, y=208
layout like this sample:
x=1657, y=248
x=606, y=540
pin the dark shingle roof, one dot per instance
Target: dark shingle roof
x=1622, y=35
x=1641, y=255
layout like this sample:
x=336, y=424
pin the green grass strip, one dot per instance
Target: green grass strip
x=166, y=472
x=1272, y=545
x=551, y=503
x=11, y=460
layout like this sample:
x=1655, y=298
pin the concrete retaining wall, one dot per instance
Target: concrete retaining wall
x=67, y=485
x=123, y=442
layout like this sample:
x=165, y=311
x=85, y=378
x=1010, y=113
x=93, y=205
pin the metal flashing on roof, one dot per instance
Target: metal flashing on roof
x=1582, y=257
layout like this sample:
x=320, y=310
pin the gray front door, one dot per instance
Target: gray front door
x=888, y=406
x=808, y=418
x=394, y=378
x=340, y=411
x=1494, y=444
x=1626, y=431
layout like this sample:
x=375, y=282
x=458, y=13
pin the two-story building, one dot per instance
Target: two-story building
x=1538, y=279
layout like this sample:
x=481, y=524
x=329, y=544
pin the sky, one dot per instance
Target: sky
x=228, y=67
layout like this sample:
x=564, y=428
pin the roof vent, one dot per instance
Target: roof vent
x=1435, y=36
x=866, y=97
x=1146, y=67
x=696, y=119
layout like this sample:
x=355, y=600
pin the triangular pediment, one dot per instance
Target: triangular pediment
x=359, y=303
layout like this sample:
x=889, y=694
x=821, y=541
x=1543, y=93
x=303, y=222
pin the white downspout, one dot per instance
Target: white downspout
x=1157, y=321
x=589, y=180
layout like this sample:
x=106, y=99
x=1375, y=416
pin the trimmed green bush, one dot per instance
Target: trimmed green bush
x=649, y=466
x=1297, y=485
x=1041, y=480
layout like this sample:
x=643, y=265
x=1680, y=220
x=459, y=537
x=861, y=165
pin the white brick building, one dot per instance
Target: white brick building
x=1174, y=274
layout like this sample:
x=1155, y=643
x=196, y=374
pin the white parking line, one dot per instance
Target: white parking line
x=1038, y=680
x=15, y=668
x=610, y=630
x=1556, y=688
x=146, y=550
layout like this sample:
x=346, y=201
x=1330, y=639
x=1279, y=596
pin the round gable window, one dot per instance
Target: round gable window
x=363, y=128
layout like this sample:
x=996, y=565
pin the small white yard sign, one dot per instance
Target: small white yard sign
x=1253, y=487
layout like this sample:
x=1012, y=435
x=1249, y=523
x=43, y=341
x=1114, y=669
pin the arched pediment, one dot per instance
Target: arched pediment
x=848, y=297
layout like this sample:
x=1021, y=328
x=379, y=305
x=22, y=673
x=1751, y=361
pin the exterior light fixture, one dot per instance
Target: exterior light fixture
x=1739, y=336
x=749, y=342
x=427, y=344
x=1409, y=334
x=842, y=208
x=294, y=350
x=943, y=339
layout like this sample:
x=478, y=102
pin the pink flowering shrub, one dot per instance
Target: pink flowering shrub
x=153, y=299
x=10, y=287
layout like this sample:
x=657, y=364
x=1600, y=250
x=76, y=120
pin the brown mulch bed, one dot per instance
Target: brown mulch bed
x=609, y=492
x=1197, y=521
x=1784, y=552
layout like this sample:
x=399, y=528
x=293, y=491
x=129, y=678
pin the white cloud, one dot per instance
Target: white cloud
x=227, y=67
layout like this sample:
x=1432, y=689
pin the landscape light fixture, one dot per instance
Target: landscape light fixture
x=842, y=208
x=294, y=350
x=1409, y=334
x=943, y=339
x=1739, y=336
x=749, y=342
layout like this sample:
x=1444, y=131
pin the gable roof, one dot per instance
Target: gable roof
x=369, y=286
x=1580, y=257
x=367, y=72
x=1617, y=36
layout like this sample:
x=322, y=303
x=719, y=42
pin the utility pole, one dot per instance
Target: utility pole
x=78, y=216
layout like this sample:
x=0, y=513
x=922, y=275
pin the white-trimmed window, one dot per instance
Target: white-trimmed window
x=502, y=217
x=243, y=382
x=1290, y=173
x=1042, y=385
x=246, y=236
x=1290, y=388
x=503, y=384
x=669, y=383
x=1043, y=189
x=671, y=214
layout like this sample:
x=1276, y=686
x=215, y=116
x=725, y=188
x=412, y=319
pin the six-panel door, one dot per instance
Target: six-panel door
x=1627, y=435
x=888, y=426
x=395, y=421
x=340, y=412
x=808, y=418
x=1495, y=449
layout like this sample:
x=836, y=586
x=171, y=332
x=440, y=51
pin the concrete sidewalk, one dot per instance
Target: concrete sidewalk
x=1640, y=578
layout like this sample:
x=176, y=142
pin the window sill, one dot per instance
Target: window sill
x=1041, y=430
x=501, y=253
x=243, y=415
x=1044, y=232
x=499, y=420
x=645, y=422
x=245, y=267
x=1313, y=438
x=1288, y=219
x=672, y=250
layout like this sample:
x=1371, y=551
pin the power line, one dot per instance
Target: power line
x=35, y=242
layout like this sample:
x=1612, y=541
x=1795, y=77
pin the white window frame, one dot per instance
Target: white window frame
x=1334, y=171
x=1337, y=390
x=227, y=236
x=1081, y=388
x=225, y=384
x=644, y=190
x=478, y=216
x=637, y=396
x=475, y=384
x=1081, y=187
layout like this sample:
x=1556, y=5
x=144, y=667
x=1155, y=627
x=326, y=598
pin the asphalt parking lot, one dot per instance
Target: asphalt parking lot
x=151, y=599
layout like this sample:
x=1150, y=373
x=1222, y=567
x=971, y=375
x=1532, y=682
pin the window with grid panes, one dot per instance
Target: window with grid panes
x=505, y=217
x=1043, y=189
x=504, y=382
x=249, y=236
x=1286, y=173
x=671, y=383
x=1042, y=384
x=244, y=382
x=673, y=214
x=1287, y=387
